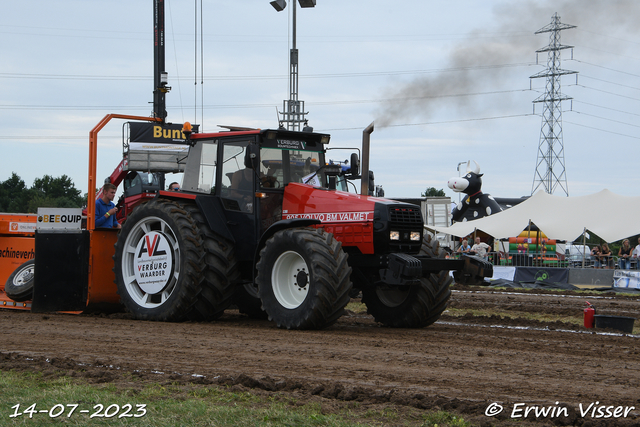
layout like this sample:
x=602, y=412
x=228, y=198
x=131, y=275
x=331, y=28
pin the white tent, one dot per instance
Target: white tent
x=608, y=215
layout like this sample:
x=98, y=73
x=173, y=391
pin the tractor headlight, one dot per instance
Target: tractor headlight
x=394, y=235
x=415, y=236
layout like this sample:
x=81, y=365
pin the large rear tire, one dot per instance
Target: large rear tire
x=19, y=285
x=303, y=278
x=159, y=262
x=411, y=306
x=221, y=270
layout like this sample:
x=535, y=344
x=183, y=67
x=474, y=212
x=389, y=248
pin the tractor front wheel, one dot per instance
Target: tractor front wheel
x=303, y=278
x=411, y=306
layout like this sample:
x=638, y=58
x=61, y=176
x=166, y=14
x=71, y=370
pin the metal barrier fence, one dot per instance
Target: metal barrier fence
x=551, y=259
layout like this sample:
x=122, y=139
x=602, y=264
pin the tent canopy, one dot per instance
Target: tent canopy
x=608, y=215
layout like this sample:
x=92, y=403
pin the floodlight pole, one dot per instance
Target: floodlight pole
x=293, y=113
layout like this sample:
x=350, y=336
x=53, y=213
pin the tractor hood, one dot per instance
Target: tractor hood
x=358, y=221
x=305, y=201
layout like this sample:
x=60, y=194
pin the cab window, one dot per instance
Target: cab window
x=279, y=167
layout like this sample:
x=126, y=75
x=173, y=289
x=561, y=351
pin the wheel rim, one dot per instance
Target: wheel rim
x=251, y=290
x=151, y=262
x=393, y=296
x=290, y=279
x=24, y=276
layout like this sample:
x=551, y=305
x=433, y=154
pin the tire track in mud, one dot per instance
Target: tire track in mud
x=457, y=363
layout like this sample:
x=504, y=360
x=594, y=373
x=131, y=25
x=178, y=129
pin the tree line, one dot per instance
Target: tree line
x=50, y=192
x=61, y=192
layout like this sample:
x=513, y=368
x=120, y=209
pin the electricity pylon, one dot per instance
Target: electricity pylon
x=550, y=170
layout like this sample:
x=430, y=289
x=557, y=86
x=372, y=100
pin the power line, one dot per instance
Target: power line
x=604, y=118
x=270, y=105
x=606, y=108
x=608, y=36
x=259, y=37
x=613, y=83
x=49, y=76
x=606, y=68
x=72, y=107
x=70, y=77
x=477, y=119
x=51, y=138
x=607, y=92
x=607, y=52
x=603, y=130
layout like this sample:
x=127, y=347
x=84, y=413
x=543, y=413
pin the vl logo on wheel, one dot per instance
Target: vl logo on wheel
x=152, y=262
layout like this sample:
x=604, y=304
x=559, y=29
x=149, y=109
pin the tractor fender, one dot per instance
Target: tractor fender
x=274, y=228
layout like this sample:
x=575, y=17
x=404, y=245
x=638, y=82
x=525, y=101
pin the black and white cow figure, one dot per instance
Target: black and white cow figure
x=476, y=204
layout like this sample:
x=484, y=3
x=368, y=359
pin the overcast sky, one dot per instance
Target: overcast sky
x=444, y=82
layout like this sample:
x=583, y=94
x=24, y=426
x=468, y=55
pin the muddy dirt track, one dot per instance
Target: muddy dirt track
x=461, y=364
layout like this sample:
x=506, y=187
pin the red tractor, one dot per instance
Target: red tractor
x=259, y=224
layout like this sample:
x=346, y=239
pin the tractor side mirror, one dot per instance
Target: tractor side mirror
x=332, y=171
x=355, y=164
x=251, y=157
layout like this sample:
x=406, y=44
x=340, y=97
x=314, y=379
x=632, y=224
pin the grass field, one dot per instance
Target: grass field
x=29, y=399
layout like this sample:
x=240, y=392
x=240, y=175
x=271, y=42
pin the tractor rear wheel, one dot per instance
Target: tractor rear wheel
x=159, y=262
x=411, y=306
x=303, y=278
x=19, y=285
x=220, y=273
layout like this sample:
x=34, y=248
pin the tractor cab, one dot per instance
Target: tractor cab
x=241, y=175
x=253, y=160
x=249, y=170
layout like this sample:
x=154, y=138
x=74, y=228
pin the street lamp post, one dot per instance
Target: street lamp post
x=293, y=114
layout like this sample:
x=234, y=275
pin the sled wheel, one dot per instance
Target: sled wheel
x=303, y=278
x=411, y=306
x=159, y=262
x=19, y=285
x=220, y=273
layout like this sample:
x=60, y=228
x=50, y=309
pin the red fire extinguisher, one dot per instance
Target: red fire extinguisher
x=589, y=313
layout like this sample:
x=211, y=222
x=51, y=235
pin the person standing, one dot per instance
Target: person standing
x=106, y=209
x=636, y=254
x=624, y=254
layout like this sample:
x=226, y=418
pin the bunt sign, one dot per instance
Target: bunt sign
x=157, y=133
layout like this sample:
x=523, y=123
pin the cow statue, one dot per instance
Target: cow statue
x=476, y=204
